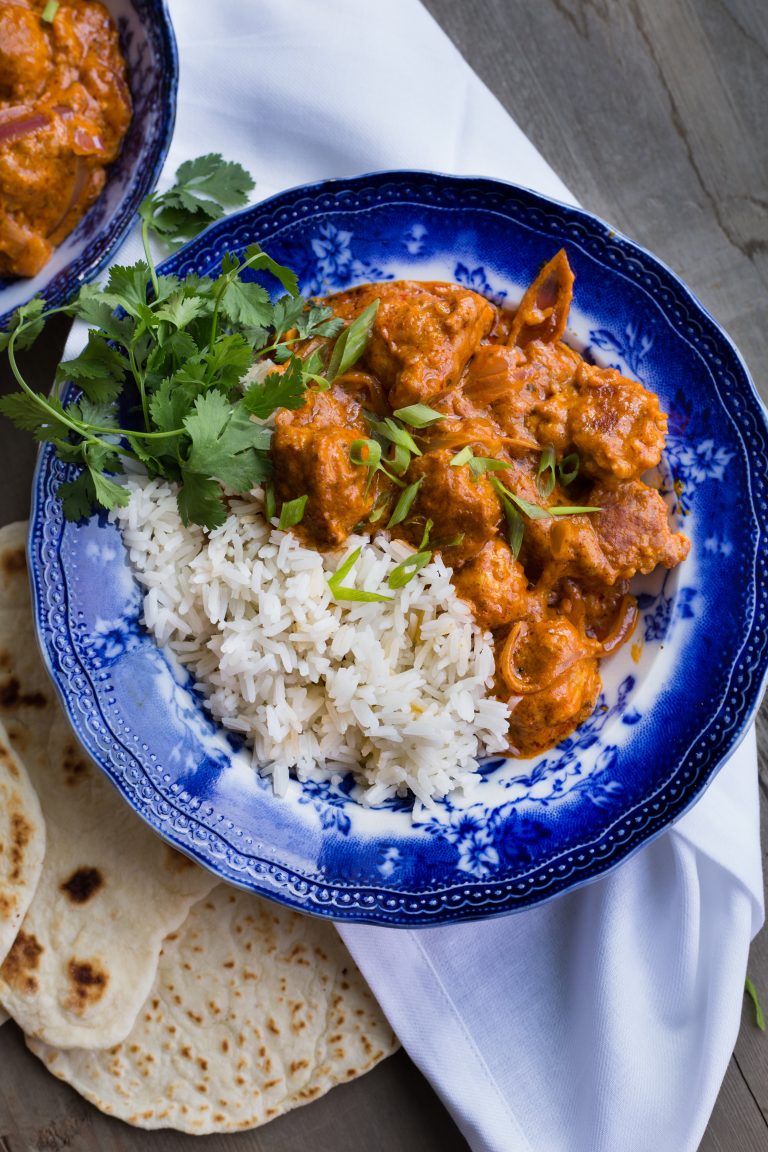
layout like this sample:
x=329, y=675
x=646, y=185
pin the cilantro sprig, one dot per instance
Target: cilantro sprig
x=178, y=352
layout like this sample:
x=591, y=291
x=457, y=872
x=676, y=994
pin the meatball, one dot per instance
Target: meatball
x=494, y=585
x=422, y=337
x=615, y=424
x=457, y=503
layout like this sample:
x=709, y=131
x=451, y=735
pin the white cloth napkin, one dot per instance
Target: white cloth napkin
x=603, y=1021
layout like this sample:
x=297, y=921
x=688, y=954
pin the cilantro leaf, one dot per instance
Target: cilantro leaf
x=204, y=187
x=29, y=414
x=200, y=501
x=279, y=390
x=94, y=415
x=129, y=285
x=108, y=493
x=226, y=443
x=99, y=369
x=246, y=302
x=78, y=497
x=228, y=360
x=181, y=310
x=30, y=314
x=99, y=312
x=223, y=180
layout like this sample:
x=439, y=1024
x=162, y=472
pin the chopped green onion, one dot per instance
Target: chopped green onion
x=545, y=477
x=481, y=464
x=751, y=991
x=405, y=572
x=292, y=512
x=568, y=468
x=418, y=415
x=462, y=457
x=270, y=506
x=339, y=592
x=351, y=344
x=399, y=460
x=391, y=431
x=572, y=509
x=50, y=10
x=425, y=538
x=535, y=511
x=405, y=503
x=452, y=543
x=515, y=528
x=379, y=507
x=372, y=456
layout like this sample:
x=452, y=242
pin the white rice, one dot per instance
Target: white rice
x=396, y=691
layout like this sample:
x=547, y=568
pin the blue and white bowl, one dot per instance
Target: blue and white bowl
x=149, y=48
x=675, y=703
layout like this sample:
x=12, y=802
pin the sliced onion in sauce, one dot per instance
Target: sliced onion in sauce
x=523, y=687
x=16, y=123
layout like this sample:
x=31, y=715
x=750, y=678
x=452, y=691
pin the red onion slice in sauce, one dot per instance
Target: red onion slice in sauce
x=16, y=123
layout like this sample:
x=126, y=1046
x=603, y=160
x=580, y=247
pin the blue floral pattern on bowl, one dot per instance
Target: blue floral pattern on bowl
x=674, y=703
x=149, y=48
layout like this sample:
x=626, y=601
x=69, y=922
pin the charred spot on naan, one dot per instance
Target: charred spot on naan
x=82, y=885
x=21, y=964
x=87, y=982
x=13, y=562
x=74, y=765
x=12, y=695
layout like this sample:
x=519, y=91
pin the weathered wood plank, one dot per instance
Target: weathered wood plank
x=737, y=1124
x=391, y=1109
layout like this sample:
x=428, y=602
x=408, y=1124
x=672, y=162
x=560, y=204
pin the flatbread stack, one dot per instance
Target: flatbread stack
x=165, y=998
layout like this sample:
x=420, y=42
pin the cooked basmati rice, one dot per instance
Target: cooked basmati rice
x=395, y=691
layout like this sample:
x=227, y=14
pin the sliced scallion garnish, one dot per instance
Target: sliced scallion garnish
x=391, y=431
x=292, y=512
x=270, y=506
x=49, y=12
x=515, y=528
x=379, y=507
x=751, y=991
x=462, y=457
x=568, y=468
x=572, y=509
x=365, y=453
x=545, y=477
x=535, y=511
x=418, y=415
x=351, y=343
x=405, y=503
x=339, y=592
x=480, y=464
x=407, y=569
x=399, y=460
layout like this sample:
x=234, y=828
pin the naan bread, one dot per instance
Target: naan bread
x=110, y=890
x=254, y=1010
x=22, y=843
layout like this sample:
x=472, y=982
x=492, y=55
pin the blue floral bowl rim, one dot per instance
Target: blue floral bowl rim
x=96, y=256
x=643, y=836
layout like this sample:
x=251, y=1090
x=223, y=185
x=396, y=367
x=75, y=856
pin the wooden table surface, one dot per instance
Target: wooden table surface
x=654, y=113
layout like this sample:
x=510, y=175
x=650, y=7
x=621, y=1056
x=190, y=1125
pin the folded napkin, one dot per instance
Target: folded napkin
x=603, y=1021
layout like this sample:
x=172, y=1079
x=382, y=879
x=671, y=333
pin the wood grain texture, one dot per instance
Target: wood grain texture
x=654, y=113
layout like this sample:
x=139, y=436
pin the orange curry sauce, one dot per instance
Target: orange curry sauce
x=509, y=387
x=64, y=110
